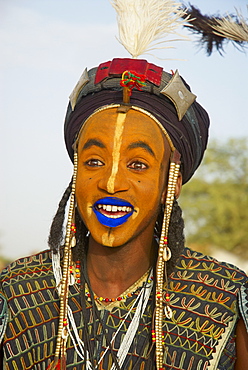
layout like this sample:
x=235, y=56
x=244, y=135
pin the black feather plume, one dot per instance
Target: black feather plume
x=205, y=26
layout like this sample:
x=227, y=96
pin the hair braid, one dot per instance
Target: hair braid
x=79, y=251
x=175, y=234
x=176, y=237
x=56, y=231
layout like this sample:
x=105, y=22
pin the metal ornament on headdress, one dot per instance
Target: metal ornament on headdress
x=84, y=79
x=177, y=92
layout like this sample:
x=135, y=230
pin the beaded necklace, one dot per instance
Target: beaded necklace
x=75, y=277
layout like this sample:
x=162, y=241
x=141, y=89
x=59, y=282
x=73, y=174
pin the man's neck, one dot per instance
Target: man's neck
x=112, y=270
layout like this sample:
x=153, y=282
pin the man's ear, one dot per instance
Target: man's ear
x=178, y=185
x=177, y=190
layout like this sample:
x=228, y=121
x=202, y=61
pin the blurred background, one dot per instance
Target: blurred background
x=45, y=46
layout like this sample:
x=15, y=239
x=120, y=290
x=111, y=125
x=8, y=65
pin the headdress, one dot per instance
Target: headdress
x=164, y=95
x=166, y=98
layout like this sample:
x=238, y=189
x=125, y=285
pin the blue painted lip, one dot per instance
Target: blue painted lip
x=108, y=221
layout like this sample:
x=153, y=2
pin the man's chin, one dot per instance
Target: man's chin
x=110, y=240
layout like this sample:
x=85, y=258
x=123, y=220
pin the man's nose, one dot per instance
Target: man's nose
x=115, y=181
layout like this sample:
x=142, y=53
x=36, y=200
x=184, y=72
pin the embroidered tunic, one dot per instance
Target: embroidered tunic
x=207, y=298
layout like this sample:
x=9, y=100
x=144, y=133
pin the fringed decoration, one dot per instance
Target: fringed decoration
x=164, y=255
x=54, y=365
x=143, y=22
x=232, y=28
x=141, y=301
x=60, y=351
x=214, y=30
x=129, y=81
x=132, y=79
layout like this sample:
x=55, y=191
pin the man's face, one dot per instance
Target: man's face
x=122, y=171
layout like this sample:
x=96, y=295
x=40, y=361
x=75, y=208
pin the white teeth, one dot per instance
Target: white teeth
x=110, y=208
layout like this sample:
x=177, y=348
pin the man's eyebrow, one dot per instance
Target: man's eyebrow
x=93, y=142
x=143, y=145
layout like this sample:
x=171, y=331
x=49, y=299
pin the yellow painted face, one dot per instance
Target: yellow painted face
x=123, y=161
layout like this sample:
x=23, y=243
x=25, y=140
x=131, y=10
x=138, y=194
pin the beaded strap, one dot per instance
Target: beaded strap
x=164, y=254
x=63, y=290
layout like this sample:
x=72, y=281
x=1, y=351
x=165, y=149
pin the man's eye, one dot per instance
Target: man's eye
x=138, y=166
x=94, y=163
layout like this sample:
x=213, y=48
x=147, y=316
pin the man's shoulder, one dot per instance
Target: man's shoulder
x=194, y=260
x=3, y=315
x=21, y=278
x=24, y=267
x=217, y=276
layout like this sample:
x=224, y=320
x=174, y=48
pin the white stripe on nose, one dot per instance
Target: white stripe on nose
x=121, y=117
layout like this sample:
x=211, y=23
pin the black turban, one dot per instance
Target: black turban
x=189, y=135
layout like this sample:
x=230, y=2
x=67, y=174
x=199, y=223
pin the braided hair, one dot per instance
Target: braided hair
x=176, y=239
x=56, y=234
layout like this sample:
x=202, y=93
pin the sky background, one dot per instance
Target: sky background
x=45, y=46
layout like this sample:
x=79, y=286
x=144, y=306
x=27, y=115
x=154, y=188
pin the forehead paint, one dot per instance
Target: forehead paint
x=121, y=117
x=107, y=239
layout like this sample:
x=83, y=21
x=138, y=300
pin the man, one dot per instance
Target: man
x=128, y=294
x=120, y=290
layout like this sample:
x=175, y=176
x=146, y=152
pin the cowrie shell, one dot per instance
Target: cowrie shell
x=168, y=312
x=166, y=254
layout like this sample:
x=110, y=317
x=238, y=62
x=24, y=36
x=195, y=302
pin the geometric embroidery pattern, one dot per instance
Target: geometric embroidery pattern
x=204, y=300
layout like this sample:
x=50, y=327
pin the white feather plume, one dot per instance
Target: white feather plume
x=143, y=24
